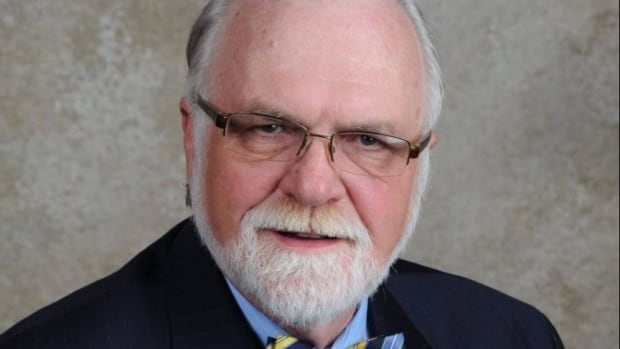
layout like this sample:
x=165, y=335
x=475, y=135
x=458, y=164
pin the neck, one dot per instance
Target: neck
x=324, y=334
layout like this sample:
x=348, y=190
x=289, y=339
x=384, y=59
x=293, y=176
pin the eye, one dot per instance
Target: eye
x=271, y=128
x=256, y=125
x=266, y=129
x=374, y=143
x=368, y=140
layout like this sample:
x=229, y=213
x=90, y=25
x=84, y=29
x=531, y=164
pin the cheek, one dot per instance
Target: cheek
x=383, y=205
x=231, y=188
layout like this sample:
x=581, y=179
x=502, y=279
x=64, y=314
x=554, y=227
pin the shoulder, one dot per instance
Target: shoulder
x=132, y=295
x=460, y=312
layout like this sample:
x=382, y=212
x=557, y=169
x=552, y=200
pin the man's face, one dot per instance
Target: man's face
x=331, y=66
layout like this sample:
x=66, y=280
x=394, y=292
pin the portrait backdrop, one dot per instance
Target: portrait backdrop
x=523, y=193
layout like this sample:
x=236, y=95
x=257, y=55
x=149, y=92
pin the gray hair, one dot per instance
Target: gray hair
x=207, y=29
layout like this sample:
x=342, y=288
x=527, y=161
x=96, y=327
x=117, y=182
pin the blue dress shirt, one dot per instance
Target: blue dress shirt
x=264, y=327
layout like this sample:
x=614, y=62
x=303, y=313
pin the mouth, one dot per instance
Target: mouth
x=304, y=235
x=303, y=241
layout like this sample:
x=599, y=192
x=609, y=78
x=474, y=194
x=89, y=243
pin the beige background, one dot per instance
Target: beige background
x=524, y=193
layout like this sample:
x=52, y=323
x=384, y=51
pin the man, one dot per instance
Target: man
x=307, y=128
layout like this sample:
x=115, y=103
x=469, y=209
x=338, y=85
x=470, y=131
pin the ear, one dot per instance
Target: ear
x=434, y=139
x=188, y=139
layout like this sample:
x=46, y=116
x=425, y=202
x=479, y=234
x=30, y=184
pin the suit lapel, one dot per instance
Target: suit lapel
x=202, y=312
x=386, y=317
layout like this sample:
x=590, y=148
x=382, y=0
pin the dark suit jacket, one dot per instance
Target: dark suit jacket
x=172, y=295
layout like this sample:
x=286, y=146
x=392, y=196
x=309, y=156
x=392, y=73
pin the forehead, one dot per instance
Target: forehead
x=320, y=57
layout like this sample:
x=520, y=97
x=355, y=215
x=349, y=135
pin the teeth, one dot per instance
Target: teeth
x=309, y=236
x=305, y=235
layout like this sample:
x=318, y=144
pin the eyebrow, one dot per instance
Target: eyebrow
x=256, y=106
x=374, y=126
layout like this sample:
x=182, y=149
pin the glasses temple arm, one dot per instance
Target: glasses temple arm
x=415, y=150
x=218, y=118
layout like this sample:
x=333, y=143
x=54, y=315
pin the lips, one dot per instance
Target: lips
x=305, y=236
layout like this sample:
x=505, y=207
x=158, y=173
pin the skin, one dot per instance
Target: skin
x=331, y=66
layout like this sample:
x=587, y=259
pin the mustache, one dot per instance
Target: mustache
x=290, y=216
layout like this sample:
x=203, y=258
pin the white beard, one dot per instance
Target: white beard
x=300, y=290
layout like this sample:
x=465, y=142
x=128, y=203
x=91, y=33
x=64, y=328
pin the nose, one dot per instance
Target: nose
x=311, y=180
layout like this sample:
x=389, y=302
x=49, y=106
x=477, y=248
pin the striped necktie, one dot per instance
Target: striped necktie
x=395, y=341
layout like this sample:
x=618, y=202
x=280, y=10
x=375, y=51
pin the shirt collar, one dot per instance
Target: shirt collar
x=264, y=327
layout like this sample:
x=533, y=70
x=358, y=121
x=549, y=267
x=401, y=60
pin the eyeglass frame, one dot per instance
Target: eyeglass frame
x=221, y=120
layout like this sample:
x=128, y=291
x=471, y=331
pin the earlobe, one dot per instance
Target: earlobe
x=188, y=138
x=434, y=139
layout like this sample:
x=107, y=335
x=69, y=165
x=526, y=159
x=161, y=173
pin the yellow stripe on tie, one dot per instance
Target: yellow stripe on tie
x=282, y=342
x=361, y=345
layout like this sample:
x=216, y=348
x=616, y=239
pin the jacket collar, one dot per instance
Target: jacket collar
x=386, y=316
x=202, y=312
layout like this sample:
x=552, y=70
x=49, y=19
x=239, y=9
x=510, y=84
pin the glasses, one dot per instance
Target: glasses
x=267, y=137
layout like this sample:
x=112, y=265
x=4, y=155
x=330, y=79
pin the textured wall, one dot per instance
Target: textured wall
x=524, y=193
